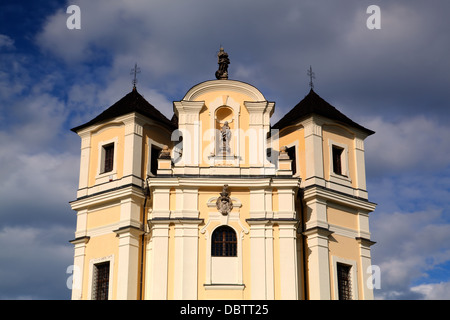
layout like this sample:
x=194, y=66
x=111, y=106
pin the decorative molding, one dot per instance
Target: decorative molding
x=92, y=263
x=353, y=273
x=312, y=128
x=359, y=144
x=224, y=85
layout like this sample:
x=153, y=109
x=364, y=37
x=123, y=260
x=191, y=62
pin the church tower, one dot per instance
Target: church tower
x=218, y=203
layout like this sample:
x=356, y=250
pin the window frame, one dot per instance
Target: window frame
x=344, y=280
x=227, y=247
x=295, y=166
x=336, y=154
x=102, y=176
x=99, y=282
x=108, y=158
x=353, y=276
x=92, y=273
x=343, y=178
x=152, y=144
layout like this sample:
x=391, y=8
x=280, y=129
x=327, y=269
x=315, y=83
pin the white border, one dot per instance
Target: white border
x=337, y=178
x=151, y=143
x=102, y=177
x=353, y=274
x=93, y=262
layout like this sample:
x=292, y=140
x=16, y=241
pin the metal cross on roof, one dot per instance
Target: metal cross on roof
x=134, y=73
x=311, y=77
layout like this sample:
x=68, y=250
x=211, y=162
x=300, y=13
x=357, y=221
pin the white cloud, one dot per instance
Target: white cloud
x=410, y=246
x=33, y=262
x=433, y=291
x=6, y=42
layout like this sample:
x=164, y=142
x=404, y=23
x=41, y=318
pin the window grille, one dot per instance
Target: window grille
x=224, y=242
x=344, y=282
x=101, y=281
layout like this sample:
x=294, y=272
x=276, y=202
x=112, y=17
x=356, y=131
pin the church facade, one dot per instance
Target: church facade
x=219, y=203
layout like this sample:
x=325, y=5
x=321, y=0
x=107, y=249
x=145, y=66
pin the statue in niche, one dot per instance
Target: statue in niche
x=226, y=137
x=223, y=203
x=223, y=61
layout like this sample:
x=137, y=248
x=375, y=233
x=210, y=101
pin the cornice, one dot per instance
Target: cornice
x=108, y=195
x=224, y=85
x=315, y=191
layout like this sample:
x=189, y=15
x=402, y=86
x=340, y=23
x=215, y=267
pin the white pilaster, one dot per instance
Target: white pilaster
x=157, y=261
x=259, y=126
x=161, y=203
x=316, y=213
x=78, y=267
x=286, y=203
x=313, y=152
x=261, y=259
x=360, y=168
x=318, y=264
x=288, y=260
x=188, y=113
x=128, y=265
x=365, y=260
x=84, y=160
x=133, y=147
x=186, y=203
x=186, y=260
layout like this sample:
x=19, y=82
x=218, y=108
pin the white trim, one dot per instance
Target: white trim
x=216, y=220
x=102, y=177
x=345, y=177
x=297, y=158
x=224, y=85
x=150, y=143
x=93, y=262
x=353, y=273
x=224, y=286
x=343, y=231
x=225, y=102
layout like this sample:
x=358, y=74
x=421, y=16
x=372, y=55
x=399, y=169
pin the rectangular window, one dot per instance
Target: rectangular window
x=337, y=160
x=344, y=281
x=292, y=155
x=101, y=281
x=155, y=151
x=109, y=157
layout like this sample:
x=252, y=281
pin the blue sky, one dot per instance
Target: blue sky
x=394, y=80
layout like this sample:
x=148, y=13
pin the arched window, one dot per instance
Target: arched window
x=224, y=242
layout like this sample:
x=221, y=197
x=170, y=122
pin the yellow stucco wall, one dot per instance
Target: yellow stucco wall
x=99, y=247
x=103, y=217
x=341, y=246
x=348, y=249
x=342, y=216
